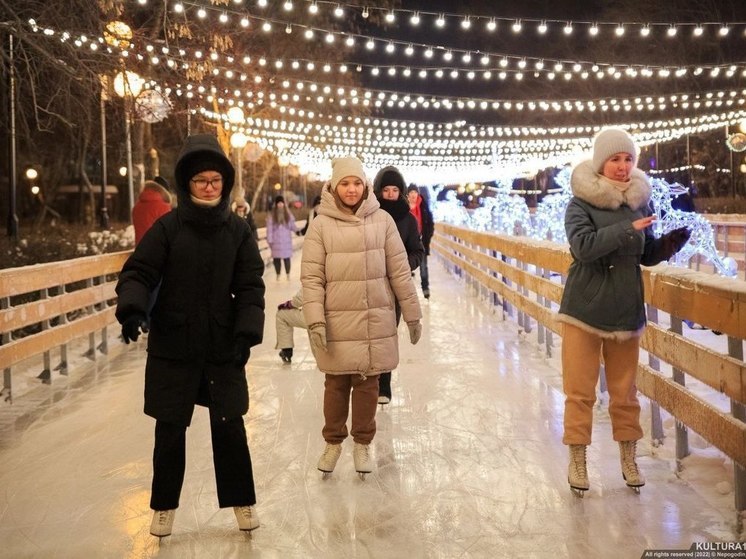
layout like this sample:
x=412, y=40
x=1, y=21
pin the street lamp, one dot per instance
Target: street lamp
x=116, y=34
x=128, y=86
x=238, y=142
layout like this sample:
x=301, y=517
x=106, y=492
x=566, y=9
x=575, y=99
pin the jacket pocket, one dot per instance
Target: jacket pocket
x=169, y=335
x=221, y=337
x=591, y=287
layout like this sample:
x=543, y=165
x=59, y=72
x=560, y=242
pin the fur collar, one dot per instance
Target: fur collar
x=593, y=188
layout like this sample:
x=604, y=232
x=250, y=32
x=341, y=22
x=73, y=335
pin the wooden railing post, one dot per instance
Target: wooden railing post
x=7, y=390
x=656, y=423
x=62, y=365
x=682, y=432
x=738, y=410
x=46, y=374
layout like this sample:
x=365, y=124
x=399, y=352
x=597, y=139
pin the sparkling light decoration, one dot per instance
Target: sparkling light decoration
x=549, y=219
x=702, y=240
x=508, y=214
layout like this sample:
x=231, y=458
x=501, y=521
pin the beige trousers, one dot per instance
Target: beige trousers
x=337, y=405
x=285, y=321
x=581, y=360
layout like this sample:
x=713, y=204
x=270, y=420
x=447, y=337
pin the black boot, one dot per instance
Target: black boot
x=384, y=388
x=286, y=354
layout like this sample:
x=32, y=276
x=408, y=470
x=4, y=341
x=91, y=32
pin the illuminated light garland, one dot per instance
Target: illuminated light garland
x=392, y=45
x=482, y=156
x=455, y=159
x=380, y=98
x=469, y=22
x=387, y=98
x=583, y=70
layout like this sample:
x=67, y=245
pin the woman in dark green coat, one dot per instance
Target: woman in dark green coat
x=208, y=314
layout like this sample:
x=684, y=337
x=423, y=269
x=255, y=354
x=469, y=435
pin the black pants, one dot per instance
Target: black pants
x=276, y=262
x=230, y=455
x=384, y=379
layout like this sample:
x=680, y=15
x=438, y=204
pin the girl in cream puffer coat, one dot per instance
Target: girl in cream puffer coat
x=354, y=266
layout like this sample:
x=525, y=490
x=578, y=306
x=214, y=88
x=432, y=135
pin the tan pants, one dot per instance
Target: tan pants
x=337, y=405
x=581, y=360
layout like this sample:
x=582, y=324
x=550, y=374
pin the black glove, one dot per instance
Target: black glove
x=241, y=351
x=285, y=306
x=674, y=241
x=131, y=327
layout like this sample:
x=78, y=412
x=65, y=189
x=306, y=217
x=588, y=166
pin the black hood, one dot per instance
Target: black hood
x=202, y=152
x=389, y=176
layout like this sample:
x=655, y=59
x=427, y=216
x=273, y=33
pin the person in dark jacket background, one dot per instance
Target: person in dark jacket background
x=243, y=209
x=608, y=224
x=421, y=211
x=389, y=188
x=311, y=215
x=209, y=313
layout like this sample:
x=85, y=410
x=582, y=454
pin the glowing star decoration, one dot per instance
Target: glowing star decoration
x=702, y=239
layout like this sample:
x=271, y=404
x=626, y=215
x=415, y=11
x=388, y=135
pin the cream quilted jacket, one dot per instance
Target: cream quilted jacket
x=352, y=269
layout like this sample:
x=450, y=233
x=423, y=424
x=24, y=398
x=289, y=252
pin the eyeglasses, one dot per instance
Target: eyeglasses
x=202, y=183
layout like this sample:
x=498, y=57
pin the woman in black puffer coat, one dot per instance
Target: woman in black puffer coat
x=208, y=314
x=390, y=188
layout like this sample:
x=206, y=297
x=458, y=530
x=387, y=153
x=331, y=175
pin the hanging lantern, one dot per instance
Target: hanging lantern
x=118, y=34
x=736, y=142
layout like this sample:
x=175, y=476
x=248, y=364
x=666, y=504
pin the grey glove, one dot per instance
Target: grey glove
x=317, y=334
x=415, y=331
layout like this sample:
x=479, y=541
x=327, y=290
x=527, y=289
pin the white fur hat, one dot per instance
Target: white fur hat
x=346, y=167
x=610, y=141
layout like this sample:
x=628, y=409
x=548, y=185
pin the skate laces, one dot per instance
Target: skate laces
x=629, y=451
x=163, y=516
x=245, y=511
x=362, y=453
x=578, y=461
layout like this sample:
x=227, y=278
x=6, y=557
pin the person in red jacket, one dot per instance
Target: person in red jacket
x=153, y=202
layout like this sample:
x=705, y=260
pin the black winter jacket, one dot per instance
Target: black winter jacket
x=406, y=223
x=211, y=294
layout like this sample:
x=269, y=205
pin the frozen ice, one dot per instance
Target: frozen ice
x=468, y=460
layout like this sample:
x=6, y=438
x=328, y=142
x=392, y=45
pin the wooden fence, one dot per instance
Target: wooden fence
x=526, y=276
x=47, y=306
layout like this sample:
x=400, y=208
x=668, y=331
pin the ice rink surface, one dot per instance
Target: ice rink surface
x=468, y=460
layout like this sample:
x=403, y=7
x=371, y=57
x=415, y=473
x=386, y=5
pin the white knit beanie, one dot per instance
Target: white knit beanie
x=346, y=167
x=609, y=142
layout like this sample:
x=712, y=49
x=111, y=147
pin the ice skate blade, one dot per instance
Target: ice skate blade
x=362, y=475
x=325, y=475
x=580, y=493
x=635, y=488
